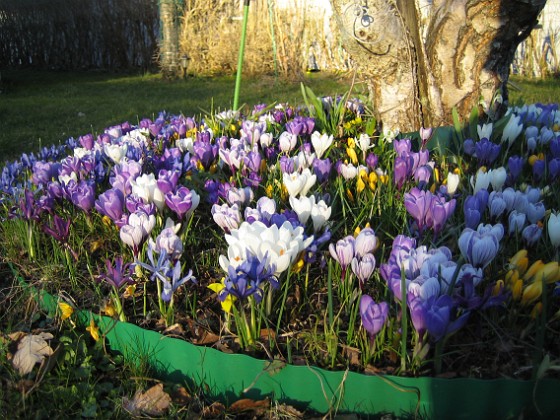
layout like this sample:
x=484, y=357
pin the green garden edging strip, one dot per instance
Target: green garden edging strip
x=229, y=377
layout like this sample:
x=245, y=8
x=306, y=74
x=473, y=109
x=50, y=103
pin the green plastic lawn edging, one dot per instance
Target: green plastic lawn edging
x=229, y=377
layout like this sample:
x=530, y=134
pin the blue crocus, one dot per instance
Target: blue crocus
x=486, y=151
x=248, y=278
x=442, y=317
x=169, y=287
x=479, y=247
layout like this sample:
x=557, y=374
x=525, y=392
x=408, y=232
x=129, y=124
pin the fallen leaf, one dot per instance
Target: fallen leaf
x=181, y=396
x=175, y=329
x=257, y=408
x=216, y=409
x=32, y=349
x=154, y=402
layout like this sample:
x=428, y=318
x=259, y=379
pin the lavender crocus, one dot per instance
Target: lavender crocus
x=111, y=204
x=442, y=317
x=117, y=275
x=228, y=218
x=343, y=252
x=373, y=315
x=363, y=268
x=182, y=202
x=479, y=247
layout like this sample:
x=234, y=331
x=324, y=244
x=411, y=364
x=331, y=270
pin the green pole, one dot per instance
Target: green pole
x=241, y=52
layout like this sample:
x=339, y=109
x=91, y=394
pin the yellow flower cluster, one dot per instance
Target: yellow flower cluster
x=526, y=282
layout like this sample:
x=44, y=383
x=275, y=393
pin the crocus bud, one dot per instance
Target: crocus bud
x=553, y=226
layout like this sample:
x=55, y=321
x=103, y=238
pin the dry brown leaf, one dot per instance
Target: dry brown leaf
x=32, y=349
x=175, y=329
x=181, y=396
x=154, y=402
x=245, y=405
x=216, y=409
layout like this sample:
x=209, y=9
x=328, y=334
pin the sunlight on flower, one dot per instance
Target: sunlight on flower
x=93, y=330
x=66, y=310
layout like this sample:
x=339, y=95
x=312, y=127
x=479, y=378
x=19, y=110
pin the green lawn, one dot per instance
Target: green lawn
x=42, y=107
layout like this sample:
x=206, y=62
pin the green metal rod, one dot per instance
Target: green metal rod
x=241, y=52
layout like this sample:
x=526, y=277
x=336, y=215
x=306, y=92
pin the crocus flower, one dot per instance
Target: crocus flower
x=343, y=251
x=170, y=285
x=484, y=131
x=512, y=130
x=280, y=244
x=59, y=230
x=183, y=202
x=169, y=242
x=441, y=317
x=137, y=229
x=373, y=315
x=321, y=143
x=117, y=275
x=320, y=213
x=363, y=267
x=83, y=196
x=479, y=248
x=287, y=141
x=228, y=218
x=116, y=152
x=299, y=183
x=111, y=204
x=553, y=229
x=145, y=187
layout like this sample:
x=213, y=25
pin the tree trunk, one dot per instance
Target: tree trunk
x=421, y=61
x=169, y=42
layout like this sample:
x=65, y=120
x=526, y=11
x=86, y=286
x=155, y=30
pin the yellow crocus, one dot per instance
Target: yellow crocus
x=66, y=310
x=227, y=303
x=548, y=272
x=520, y=261
x=498, y=287
x=93, y=330
x=531, y=293
x=535, y=267
x=517, y=290
x=351, y=142
x=511, y=277
x=351, y=152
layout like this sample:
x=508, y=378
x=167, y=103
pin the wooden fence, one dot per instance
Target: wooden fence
x=83, y=34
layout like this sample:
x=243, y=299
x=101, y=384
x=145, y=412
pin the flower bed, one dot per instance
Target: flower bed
x=302, y=236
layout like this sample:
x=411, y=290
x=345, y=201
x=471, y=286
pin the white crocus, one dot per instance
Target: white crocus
x=321, y=142
x=512, y=130
x=553, y=227
x=364, y=142
x=348, y=171
x=481, y=181
x=280, y=246
x=498, y=178
x=81, y=152
x=145, y=187
x=287, y=141
x=320, y=213
x=484, y=131
x=115, y=152
x=299, y=183
x=302, y=206
x=186, y=145
x=66, y=178
x=452, y=182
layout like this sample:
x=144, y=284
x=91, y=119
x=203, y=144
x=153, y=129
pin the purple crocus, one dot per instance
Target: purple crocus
x=83, y=196
x=111, y=204
x=183, y=202
x=322, y=169
x=117, y=275
x=373, y=315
